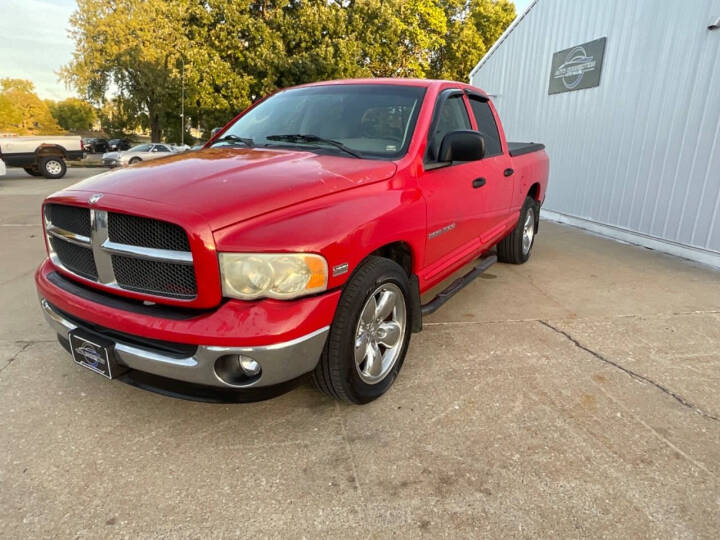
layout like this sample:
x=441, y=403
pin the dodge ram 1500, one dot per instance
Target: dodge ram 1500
x=298, y=241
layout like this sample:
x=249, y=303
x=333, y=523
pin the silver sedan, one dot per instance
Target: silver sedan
x=141, y=152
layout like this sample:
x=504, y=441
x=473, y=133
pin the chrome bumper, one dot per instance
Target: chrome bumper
x=280, y=362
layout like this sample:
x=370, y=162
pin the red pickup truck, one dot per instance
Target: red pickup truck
x=298, y=240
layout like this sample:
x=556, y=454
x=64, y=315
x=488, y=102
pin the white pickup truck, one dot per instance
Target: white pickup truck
x=40, y=155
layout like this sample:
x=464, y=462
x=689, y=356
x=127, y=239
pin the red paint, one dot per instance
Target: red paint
x=271, y=200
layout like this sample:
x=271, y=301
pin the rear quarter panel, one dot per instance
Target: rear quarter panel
x=530, y=169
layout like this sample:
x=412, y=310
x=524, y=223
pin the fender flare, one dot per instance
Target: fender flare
x=49, y=150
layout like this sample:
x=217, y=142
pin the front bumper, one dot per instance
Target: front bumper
x=285, y=337
x=280, y=362
x=111, y=162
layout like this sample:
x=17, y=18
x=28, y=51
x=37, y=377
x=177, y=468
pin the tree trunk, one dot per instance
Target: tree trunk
x=155, y=131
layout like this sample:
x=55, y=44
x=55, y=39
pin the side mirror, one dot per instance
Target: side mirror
x=464, y=145
x=214, y=132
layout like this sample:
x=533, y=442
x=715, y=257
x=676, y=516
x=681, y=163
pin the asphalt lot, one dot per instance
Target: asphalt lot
x=574, y=396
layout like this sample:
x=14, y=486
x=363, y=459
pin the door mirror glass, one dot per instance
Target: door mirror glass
x=463, y=145
x=214, y=131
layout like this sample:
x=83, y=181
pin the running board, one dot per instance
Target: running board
x=457, y=285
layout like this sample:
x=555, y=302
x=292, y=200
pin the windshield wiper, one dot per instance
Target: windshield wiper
x=234, y=138
x=309, y=138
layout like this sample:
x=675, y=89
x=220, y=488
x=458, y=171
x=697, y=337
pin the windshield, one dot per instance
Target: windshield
x=369, y=120
x=140, y=148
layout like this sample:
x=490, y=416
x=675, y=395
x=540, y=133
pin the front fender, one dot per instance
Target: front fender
x=345, y=228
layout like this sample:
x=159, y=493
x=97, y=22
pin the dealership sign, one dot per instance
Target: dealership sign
x=577, y=67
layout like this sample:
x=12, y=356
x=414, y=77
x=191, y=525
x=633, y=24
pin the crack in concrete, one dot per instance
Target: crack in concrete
x=24, y=347
x=654, y=431
x=677, y=397
x=348, y=449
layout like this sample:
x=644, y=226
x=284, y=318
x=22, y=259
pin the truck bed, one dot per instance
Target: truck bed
x=520, y=148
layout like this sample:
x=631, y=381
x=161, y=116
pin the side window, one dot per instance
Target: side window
x=451, y=116
x=486, y=125
x=160, y=148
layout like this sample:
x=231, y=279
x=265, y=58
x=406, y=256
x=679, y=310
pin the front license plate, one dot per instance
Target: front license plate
x=94, y=353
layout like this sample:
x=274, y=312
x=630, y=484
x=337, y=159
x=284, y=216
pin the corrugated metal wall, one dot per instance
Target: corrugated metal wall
x=641, y=152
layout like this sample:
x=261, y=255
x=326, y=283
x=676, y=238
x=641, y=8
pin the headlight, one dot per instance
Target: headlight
x=248, y=276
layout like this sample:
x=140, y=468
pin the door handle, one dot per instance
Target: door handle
x=478, y=182
x=508, y=172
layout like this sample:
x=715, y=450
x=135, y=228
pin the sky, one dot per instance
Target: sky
x=34, y=42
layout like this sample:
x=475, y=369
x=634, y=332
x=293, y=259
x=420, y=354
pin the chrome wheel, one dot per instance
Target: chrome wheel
x=53, y=167
x=528, y=231
x=380, y=333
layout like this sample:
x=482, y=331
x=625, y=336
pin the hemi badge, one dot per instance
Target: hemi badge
x=340, y=269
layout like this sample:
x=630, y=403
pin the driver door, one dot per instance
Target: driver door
x=448, y=189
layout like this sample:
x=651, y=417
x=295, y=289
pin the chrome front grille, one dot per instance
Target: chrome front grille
x=122, y=251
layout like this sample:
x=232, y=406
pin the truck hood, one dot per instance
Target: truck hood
x=229, y=185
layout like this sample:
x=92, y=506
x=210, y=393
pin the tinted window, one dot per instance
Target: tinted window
x=372, y=120
x=141, y=148
x=451, y=116
x=486, y=125
x=161, y=148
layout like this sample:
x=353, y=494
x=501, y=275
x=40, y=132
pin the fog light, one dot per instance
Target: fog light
x=249, y=366
x=237, y=370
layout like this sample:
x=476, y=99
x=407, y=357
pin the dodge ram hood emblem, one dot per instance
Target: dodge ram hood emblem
x=95, y=198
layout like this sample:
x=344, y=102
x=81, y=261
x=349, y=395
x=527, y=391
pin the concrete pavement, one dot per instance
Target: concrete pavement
x=576, y=395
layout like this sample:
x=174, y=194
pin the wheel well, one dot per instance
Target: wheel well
x=50, y=150
x=399, y=252
x=534, y=191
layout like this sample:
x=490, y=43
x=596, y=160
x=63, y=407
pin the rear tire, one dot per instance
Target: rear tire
x=52, y=167
x=32, y=171
x=369, y=336
x=516, y=247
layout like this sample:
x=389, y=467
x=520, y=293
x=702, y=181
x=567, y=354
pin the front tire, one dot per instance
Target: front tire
x=134, y=160
x=515, y=248
x=52, y=167
x=369, y=336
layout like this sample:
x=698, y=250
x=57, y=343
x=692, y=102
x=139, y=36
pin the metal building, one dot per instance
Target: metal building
x=625, y=94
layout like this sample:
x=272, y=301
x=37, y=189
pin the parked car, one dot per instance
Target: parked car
x=300, y=241
x=41, y=155
x=118, y=145
x=97, y=146
x=136, y=154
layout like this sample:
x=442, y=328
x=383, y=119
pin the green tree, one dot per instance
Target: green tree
x=73, y=114
x=22, y=112
x=132, y=45
x=227, y=53
x=120, y=115
x=398, y=37
x=473, y=26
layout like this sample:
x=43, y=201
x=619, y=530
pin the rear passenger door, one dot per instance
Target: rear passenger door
x=496, y=193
